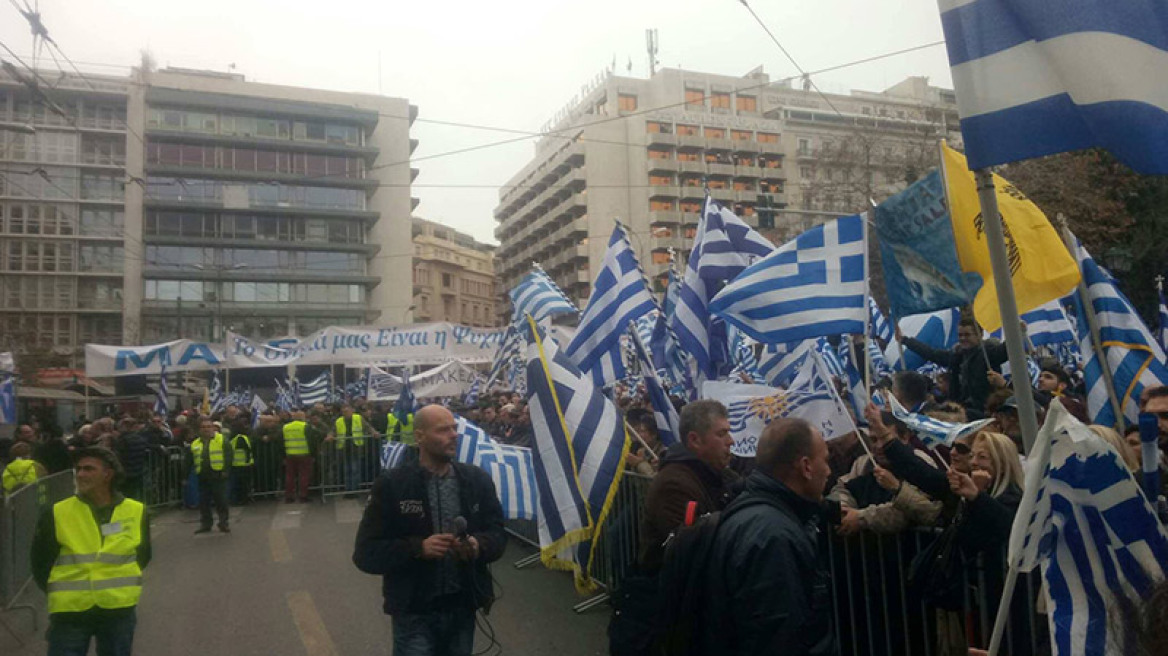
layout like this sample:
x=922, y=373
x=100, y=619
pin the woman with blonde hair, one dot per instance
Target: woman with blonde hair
x=1126, y=453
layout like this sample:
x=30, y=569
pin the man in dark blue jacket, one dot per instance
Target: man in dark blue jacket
x=431, y=527
x=768, y=587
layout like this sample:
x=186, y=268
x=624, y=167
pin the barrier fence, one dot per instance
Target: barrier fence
x=18, y=518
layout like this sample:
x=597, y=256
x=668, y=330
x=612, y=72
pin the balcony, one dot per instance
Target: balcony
x=692, y=167
x=747, y=171
x=724, y=195
x=669, y=165
x=662, y=139
x=663, y=191
x=744, y=146
x=721, y=169
x=719, y=144
x=674, y=241
x=691, y=141
x=668, y=217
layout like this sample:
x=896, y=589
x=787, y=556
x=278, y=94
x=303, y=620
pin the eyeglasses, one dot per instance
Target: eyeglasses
x=961, y=448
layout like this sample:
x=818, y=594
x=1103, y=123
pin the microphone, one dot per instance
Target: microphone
x=460, y=527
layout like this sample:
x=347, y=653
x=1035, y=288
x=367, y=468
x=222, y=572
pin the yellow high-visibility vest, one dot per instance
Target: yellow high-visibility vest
x=94, y=569
x=241, y=457
x=216, y=447
x=295, y=441
x=406, y=435
x=358, y=436
x=19, y=473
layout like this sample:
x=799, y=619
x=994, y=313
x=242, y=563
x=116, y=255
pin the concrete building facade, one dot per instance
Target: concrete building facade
x=644, y=150
x=200, y=203
x=454, y=276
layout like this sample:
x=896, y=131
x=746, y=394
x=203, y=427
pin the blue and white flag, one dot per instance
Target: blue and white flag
x=751, y=407
x=918, y=251
x=811, y=286
x=472, y=394
x=357, y=389
x=664, y=344
x=1046, y=324
x=406, y=404
x=779, y=363
x=1135, y=358
x=540, y=297
x=393, y=453
x=7, y=398
x=723, y=248
x=934, y=432
x=1031, y=81
x=880, y=366
x=619, y=295
x=1084, y=519
x=937, y=329
x=512, y=468
x=580, y=446
x=509, y=348
x=284, y=400
x=664, y=414
x=217, y=397
x=878, y=325
x=1032, y=372
x=853, y=379
x=258, y=407
x=315, y=391
x=162, y=395
x=742, y=355
x=1163, y=319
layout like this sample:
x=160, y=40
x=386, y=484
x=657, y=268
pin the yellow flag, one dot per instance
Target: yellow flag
x=1042, y=269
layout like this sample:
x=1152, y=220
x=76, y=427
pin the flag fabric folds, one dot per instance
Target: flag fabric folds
x=1031, y=81
x=664, y=413
x=878, y=325
x=392, y=453
x=1041, y=268
x=314, y=391
x=162, y=395
x=1085, y=521
x=580, y=446
x=512, y=468
x=937, y=329
x=1163, y=320
x=723, y=248
x=814, y=285
x=779, y=363
x=1045, y=325
x=406, y=403
x=1135, y=359
x=664, y=344
x=217, y=399
x=918, y=251
x=934, y=432
x=7, y=398
x=540, y=297
x=619, y=295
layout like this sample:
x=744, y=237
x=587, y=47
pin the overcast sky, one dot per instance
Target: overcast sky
x=508, y=64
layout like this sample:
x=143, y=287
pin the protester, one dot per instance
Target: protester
x=88, y=553
x=22, y=469
x=696, y=469
x=1126, y=454
x=767, y=582
x=641, y=460
x=430, y=530
x=969, y=363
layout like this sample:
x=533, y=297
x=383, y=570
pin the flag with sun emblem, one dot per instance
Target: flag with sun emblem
x=811, y=397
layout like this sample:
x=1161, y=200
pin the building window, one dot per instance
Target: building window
x=691, y=207
x=741, y=135
x=768, y=137
x=715, y=133
x=447, y=281
x=719, y=100
x=660, y=257
x=695, y=97
x=688, y=155
x=656, y=127
x=660, y=154
x=806, y=172
x=771, y=162
x=746, y=103
x=626, y=102
x=687, y=130
x=661, y=206
x=660, y=180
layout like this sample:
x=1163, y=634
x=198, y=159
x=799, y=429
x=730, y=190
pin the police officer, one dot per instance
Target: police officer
x=211, y=457
x=88, y=553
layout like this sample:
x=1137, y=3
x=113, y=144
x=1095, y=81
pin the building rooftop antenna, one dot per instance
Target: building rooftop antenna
x=651, y=45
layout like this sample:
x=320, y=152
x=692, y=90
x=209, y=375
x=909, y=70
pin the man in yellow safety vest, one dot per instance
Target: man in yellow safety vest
x=23, y=470
x=211, y=457
x=350, y=433
x=297, y=459
x=398, y=430
x=88, y=553
x=241, y=468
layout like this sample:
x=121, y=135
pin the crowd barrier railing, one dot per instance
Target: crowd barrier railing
x=18, y=518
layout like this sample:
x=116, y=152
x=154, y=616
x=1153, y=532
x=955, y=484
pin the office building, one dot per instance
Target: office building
x=179, y=203
x=644, y=151
x=454, y=276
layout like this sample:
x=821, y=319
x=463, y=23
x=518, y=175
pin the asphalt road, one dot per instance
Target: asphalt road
x=282, y=583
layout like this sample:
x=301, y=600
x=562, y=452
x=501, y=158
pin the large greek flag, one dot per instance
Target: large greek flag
x=664, y=414
x=781, y=362
x=540, y=297
x=814, y=285
x=1084, y=519
x=315, y=391
x=664, y=344
x=724, y=247
x=1034, y=79
x=512, y=468
x=1045, y=324
x=619, y=295
x=1135, y=358
x=579, y=446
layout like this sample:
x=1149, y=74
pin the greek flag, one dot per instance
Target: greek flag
x=357, y=389
x=934, y=432
x=664, y=344
x=878, y=326
x=853, y=379
x=315, y=391
x=1032, y=371
x=392, y=454
x=1150, y=455
x=472, y=394
x=1163, y=311
x=218, y=398
x=880, y=368
x=742, y=356
x=162, y=395
x=665, y=415
x=7, y=398
x=1084, y=519
x=406, y=403
x=1135, y=359
x=284, y=399
x=724, y=248
x=1031, y=81
x=258, y=407
x=1045, y=324
x=580, y=447
x=538, y=296
x=511, y=467
x=937, y=329
x=781, y=362
x=619, y=295
x=812, y=286
x=509, y=349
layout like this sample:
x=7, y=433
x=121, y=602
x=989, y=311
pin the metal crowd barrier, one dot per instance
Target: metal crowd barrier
x=18, y=518
x=162, y=480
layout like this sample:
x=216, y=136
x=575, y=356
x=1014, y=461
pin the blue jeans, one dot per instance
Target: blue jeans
x=437, y=633
x=69, y=633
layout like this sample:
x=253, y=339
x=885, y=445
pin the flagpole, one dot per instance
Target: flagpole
x=1093, y=326
x=867, y=306
x=1003, y=609
x=1007, y=305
